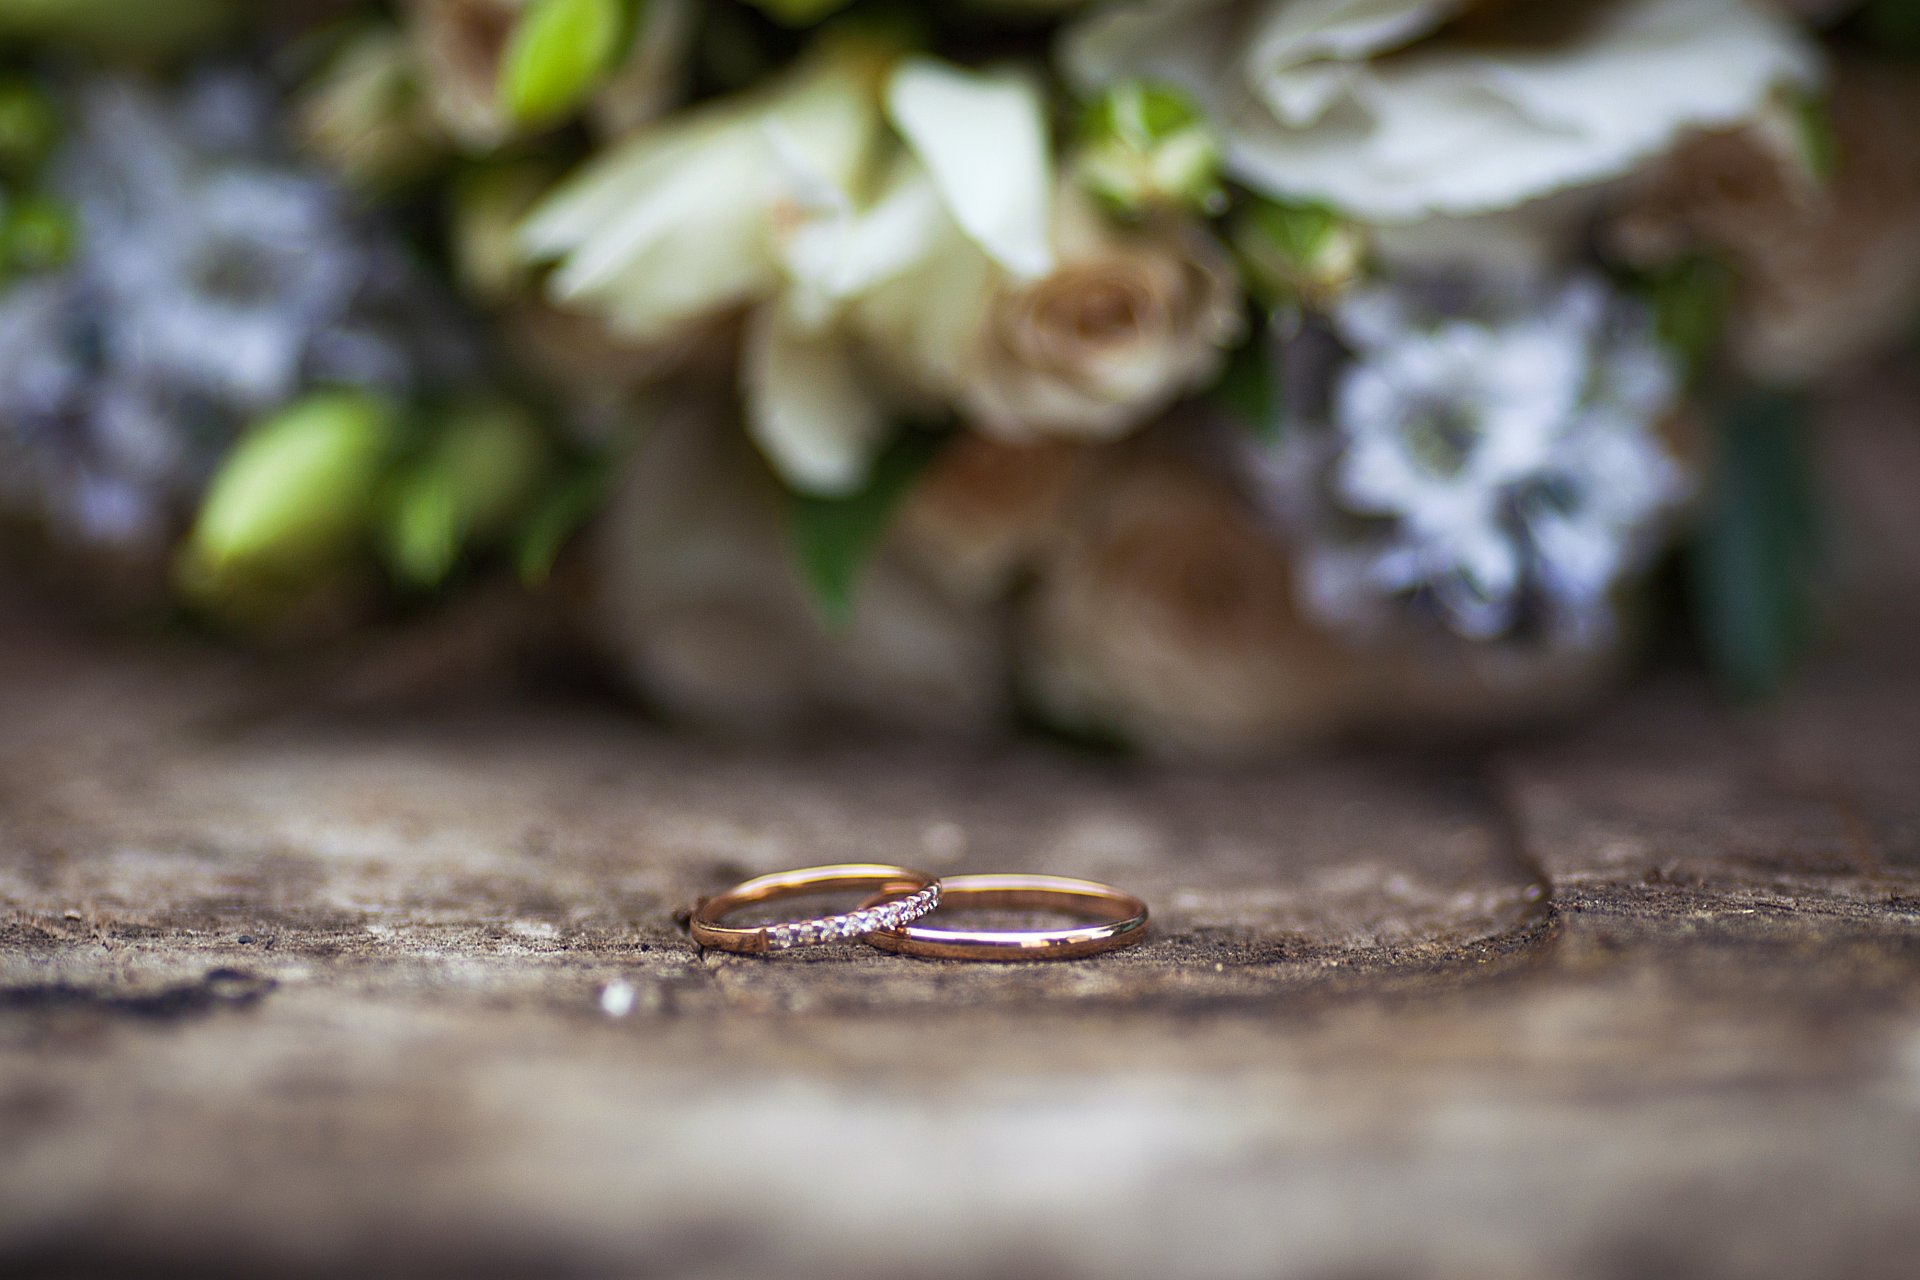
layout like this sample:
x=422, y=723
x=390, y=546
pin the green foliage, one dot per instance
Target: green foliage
x=799, y=13
x=836, y=537
x=134, y=29
x=1893, y=25
x=1249, y=388
x=337, y=479
x=1813, y=122
x=1146, y=146
x=423, y=528
x=1295, y=253
x=36, y=234
x=489, y=203
x=1690, y=301
x=29, y=128
x=559, y=514
x=1755, y=564
x=478, y=475
x=560, y=52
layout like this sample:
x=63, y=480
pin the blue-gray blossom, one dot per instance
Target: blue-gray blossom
x=212, y=281
x=1491, y=457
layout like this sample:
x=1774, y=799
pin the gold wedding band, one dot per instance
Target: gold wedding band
x=903, y=895
x=1120, y=920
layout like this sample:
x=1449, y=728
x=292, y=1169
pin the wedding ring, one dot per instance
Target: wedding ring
x=903, y=896
x=1120, y=920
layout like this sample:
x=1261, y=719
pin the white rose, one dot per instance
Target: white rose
x=1393, y=110
x=776, y=203
x=946, y=274
x=881, y=297
x=694, y=215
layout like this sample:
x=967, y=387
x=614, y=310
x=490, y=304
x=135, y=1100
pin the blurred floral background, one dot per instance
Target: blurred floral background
x=1216, y=377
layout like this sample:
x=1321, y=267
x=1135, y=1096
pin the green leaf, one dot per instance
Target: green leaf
x=478, y=475
x=559, y=53
x=29, y=126
x=555, y=520
x=1690, y=302
x=1249, y=388
x=497, y=455
x=424, y=528
x=1756, y=562
x=836, y=537
x=799, y=13
x=136, y=29
x=1819, y=143
x=36, y=234
x=1893, y=26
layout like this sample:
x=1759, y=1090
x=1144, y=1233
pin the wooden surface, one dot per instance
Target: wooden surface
x=303, y=990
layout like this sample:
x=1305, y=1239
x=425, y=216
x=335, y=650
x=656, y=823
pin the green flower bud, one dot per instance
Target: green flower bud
x=479, y=475
x=29, y=127
x=559, y=53
x=295, y=494
x=1296, y=253
x=1147, y=146
x=37, y=234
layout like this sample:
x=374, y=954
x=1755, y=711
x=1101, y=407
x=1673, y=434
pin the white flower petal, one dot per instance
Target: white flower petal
x=1455, y=130
x=836, y=259
x=690, y=217
x=933, y=349
x=1303, y=57
x=663, y=230
x=983, y=138
x=809, y=406
x=1178, y=42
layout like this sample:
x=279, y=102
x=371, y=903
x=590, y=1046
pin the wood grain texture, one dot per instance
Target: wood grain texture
x=292, y=989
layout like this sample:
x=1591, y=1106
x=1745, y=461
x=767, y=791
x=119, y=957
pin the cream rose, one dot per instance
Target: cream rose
x=1128, y=321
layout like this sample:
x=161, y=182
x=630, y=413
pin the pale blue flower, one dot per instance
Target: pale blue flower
x=1489, y=456
x=218, y=267
x=213, y=281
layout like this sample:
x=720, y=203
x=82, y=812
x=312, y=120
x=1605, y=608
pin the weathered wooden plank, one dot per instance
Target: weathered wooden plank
x=306, y=991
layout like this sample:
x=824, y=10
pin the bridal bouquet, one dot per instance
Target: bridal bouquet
x=1220, y=375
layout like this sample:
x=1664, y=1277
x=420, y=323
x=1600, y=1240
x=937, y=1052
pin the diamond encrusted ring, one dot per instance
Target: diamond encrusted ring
x=900, y=896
